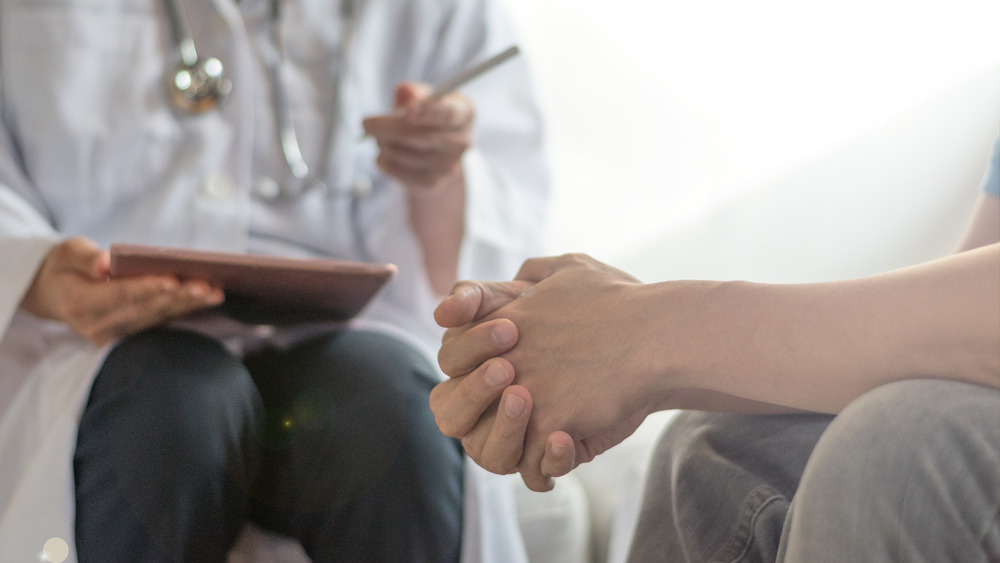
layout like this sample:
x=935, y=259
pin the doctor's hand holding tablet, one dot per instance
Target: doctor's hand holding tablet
x=74, y=285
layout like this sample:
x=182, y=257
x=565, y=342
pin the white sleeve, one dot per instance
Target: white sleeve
x=25, y=234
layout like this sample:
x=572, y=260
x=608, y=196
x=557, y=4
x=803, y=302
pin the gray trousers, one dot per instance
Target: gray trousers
x=909, y=472
x=331, y=442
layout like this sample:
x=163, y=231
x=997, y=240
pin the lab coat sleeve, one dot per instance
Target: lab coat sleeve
x=25, y=234
x=25, y=239
x=507, y=180
x=22, y=212
x=29, y=432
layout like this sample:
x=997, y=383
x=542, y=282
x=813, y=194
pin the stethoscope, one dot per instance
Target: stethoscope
x=197, y=84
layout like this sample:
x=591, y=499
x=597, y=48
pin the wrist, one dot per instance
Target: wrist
x=689, y=336
x=443, y=187
x=650, y=364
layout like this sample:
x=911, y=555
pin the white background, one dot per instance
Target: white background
x=663, y=114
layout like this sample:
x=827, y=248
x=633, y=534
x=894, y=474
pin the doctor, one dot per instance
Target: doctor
x=132, y=433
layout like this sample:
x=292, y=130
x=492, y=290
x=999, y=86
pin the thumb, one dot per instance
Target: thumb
x=472, y=300
x=409, y=94
x=83, y=256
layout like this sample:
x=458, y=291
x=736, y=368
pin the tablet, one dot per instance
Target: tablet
x=263, y=289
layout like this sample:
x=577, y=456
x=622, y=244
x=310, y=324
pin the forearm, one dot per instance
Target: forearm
x=984, y=225
x=819, y=346
x=438, y=222
x=702, y=400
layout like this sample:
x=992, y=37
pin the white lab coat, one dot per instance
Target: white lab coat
x=89, y=146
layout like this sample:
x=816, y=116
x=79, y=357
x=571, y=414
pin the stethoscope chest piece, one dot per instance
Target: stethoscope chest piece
x=196, y=85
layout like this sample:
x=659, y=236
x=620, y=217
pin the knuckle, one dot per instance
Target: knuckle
x=575, y=258
x=471, y=447
x=498, y=466
x=446, y=427
x=446, y=362
x=448, y=335
x=434, y=400
x=539, y=485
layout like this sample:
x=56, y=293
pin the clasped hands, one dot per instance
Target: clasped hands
x=533, y=367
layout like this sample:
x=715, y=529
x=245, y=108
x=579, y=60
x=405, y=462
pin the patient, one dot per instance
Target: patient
x=856, y=420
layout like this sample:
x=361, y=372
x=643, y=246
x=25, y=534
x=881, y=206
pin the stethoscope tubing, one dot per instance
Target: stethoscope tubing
x=307, y=182
x=215, y=91
x=182, y=34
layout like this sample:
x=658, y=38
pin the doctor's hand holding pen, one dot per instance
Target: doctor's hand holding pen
x=73, y=286
x=422, y=142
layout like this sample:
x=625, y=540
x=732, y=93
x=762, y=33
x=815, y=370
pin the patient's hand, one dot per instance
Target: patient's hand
x=73, y=286
x=560, y=335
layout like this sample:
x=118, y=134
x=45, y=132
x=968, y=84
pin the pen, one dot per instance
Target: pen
x=464, y=77
x=460, y=79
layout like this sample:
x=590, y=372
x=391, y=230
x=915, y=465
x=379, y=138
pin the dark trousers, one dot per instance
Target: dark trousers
x=330, y=441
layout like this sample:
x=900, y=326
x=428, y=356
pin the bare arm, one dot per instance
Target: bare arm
x=438, y=221
x=984, y=225
x=820, y=346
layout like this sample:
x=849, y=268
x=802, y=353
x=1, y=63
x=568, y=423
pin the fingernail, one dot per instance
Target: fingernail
x=559, y=449
x=495, y=374
x=503, y=334
x=461, y=292
x=513, y=405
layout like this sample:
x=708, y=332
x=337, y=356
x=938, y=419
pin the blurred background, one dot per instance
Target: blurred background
x=764, y=132
x=772, y=140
